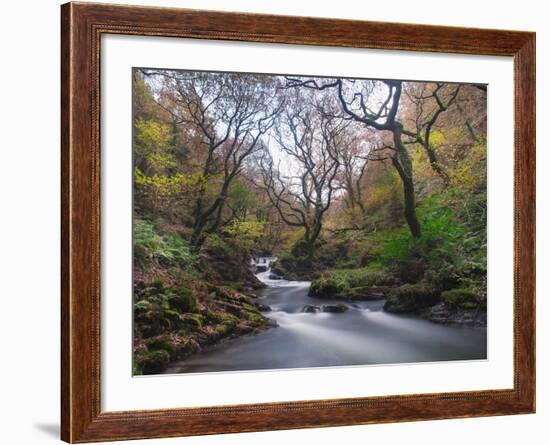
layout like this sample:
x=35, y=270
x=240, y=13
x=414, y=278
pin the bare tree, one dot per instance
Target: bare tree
x=429, y=105
x=375, y=104
x=229, y=114
x=354, y=154
x=304, y=192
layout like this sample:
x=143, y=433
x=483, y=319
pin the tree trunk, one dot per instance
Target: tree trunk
x=197, y=237
x=410, y=208
x=307, y=244
x=434, y=163
x=403, y=165
x=203, y=217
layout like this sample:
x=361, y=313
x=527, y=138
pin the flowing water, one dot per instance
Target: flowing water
x=363, y=335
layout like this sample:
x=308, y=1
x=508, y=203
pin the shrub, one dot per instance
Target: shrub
x=168, y=249
x=411, y=270
x=142, y=306
x=246, y=233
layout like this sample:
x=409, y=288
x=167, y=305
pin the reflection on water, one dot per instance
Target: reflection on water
x=364, y=335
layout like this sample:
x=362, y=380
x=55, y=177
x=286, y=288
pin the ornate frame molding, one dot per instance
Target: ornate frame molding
x=82, y=26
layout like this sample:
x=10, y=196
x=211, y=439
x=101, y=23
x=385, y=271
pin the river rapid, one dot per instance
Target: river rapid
x=363, y=335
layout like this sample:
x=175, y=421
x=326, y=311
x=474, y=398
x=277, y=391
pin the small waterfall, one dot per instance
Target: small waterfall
x=262, y=264
x=261, y=267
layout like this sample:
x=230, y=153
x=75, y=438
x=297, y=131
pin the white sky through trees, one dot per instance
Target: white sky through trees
x=300, y=96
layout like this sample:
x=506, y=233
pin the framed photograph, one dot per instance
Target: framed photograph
x=275, y=222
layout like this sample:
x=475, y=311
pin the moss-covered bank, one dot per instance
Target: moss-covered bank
x=352, y=284
x=173, y=323
x=185, y=301
x=461, y=306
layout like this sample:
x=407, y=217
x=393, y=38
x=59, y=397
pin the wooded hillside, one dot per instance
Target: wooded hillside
x=367, y=188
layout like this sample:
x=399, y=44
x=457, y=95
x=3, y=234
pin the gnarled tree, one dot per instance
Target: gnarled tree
x=354, y=154
x=303, y=191
x=430, y=102
x=375, y=104
x=228, y=113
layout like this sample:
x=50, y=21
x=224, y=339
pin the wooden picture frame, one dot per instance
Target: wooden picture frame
x=82, y=26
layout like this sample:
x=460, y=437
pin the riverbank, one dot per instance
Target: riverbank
x=425, y=298
x=171, y=327
x=184, y=302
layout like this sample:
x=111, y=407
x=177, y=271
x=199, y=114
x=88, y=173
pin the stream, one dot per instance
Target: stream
x=363, y=335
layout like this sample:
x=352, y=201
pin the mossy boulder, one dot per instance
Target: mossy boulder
x=443, y=313
x=311, y=309
x=295, y=267
x=188, y=347
x=174, y=319
x=324, y=287
x=224, y=329
x=463, y=298
x=334, y=308
x=192, y=322
x=353, y=284
x=183, y=300
x=263, y=307
x=412, y=298
x=367, y=293
x=162, y=342
x=255, y=318
x=152, y=362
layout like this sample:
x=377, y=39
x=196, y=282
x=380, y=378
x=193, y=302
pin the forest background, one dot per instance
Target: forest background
x=368, y=188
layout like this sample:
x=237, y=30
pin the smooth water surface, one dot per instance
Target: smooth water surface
x=363, y=335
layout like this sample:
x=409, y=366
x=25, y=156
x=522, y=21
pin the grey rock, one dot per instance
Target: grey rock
x=310, y=309
x=334, y=308
x=263, y=308
x=444, y=314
